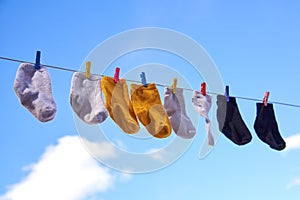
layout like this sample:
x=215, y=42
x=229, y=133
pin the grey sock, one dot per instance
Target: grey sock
x=33, y=88
x=175, y=108
x=202, y=105
x=86, y=99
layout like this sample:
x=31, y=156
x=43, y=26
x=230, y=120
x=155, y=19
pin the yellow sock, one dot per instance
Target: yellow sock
x=119, y=105
x=149, y=110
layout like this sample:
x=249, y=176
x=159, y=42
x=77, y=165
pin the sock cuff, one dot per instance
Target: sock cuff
x=106, y=80
x=179, y=91
x=201, y=101
x=81, y=76
x=148, y=93
x=139, y=87
x=222, y=98
x=261, y=106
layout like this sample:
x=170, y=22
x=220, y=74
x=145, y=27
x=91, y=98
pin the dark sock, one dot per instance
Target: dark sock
x=266, y=127
x=230, y=121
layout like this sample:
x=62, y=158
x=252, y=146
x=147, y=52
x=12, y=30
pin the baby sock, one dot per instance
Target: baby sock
x=86, y=100
x=150, y=111
x=119, y=105
x=33, y=88
x=231, y=122
x=266, y=127
x=202, y=105
x=175, y=107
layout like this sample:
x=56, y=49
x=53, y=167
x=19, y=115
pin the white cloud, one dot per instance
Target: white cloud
x=65, y=171
x=295, y=182
x=292, y=142
x=101, y=149
x=160, y=155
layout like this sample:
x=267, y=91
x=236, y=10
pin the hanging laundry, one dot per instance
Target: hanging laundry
x=33, y=88
x=266, y=127
x=202, y=105
x=86, y=99
x=231, y=122
x=175, y=107
x=149, y=110
x=119, y=105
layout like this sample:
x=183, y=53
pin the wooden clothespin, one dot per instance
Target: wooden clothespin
x=227, y=93
x=266, y=97
x=143, y=79
x=88, y=69
x=174, y=85
x=37, y=60
x=117, y=74
x=203, y=89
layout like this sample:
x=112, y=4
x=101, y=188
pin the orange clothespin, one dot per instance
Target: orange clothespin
x=266, y=97
x=203, y=89
x=88, y=69
x=174, y=84
x=117, y=74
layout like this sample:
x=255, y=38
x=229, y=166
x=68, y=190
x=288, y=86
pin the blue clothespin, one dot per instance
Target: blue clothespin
x=227, y=93
x=37, y=60
x=143, y=78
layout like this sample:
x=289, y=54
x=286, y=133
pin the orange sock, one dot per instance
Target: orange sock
x=149, y=110
x=119, y=105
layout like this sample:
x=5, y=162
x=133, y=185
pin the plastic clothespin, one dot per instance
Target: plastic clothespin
x=37, y=60
x=88, y=69
x=266, y=97
x=227, y=93
x=203, y=89
x=174, y=85
x=116, y=76
x=143, y=79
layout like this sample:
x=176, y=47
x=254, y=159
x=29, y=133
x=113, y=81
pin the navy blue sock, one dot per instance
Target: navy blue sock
x=266, y=127
x=230, y=121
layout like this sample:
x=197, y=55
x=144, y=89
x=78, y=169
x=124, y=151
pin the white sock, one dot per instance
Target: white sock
x=202, y=105
x=175, y=108
x=86, y=99
x=33, y=88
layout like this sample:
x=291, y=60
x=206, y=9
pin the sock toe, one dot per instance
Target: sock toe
x=47, y=114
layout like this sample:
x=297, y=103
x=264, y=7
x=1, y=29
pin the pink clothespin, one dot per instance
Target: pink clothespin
x=116, y=76
x=266, y=97
x=203, y=89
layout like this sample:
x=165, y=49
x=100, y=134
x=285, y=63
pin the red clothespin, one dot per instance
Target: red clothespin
x=116, y=76
x=266, y=97
x=203, y=89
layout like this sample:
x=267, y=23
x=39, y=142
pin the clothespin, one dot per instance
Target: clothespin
x=203, y=89
x=266, y=97
x=174, y=84
x=37, y=60
x=143, y=79
x=88, y=69
x=227, y=93
x=117, y=73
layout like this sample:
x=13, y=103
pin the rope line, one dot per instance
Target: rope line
x=158, y=84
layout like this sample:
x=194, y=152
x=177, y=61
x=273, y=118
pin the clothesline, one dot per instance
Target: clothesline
x=158, y=84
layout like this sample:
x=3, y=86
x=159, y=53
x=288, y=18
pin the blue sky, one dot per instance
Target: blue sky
x=256, y=47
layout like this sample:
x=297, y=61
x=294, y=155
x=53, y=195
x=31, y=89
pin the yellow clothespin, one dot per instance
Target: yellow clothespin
x=88, y=69
x=174, y=84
